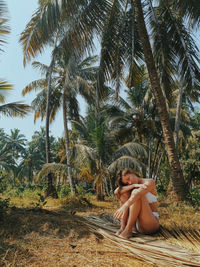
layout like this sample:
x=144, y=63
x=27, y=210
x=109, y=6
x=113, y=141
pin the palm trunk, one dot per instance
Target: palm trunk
x=178, y=118
x=50, y=188
x=155, y=157
x=66, y=132
x=149, y=159
x=178, y=183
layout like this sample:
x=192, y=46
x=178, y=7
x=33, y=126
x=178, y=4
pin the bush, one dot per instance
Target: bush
x=64, y=191
x=23, y=191
x=3, y=186
x=41, y=202
x=75, y=203
x=4, y=204
x=161, y=190
x=12, y=192
x=194, y=196
x=81, y=191
x=30, y=193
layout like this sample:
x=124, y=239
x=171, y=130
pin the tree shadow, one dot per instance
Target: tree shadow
x=18, y=224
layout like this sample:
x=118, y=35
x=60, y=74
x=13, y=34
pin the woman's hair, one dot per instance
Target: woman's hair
x=121, y=173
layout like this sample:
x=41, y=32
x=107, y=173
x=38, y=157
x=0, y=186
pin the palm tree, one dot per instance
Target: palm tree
x=6, y=157
x=71, y=77
x=94, y=148
x=177, y=175
x=135, y=119
x=16, y=143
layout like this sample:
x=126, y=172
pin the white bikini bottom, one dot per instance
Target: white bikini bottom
x=155, y=213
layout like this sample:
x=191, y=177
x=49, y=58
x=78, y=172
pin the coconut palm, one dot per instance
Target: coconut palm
x=94, y=148
x=6, y=157
x=179, y=63
x=71, y=77
x=16, y=142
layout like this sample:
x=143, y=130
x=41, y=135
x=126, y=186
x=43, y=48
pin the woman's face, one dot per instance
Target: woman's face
x=129, y=179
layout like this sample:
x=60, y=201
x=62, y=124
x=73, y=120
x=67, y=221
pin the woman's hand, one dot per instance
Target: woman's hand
x=142, y=186
x=119, y=213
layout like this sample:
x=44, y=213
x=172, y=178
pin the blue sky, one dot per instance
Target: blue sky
x=12, y=69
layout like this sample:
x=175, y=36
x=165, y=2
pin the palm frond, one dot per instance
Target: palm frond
x=132, y=149
x=126, y=162
x=59, y=170
x=82, y=153
x=15, y=109
x=80, y=128
x=189, y=9
x=4, y=86
x=77, y=16
x=42, y=68
x=4, y=28
x=35, y=86
x=180, y=48
x=151, y=249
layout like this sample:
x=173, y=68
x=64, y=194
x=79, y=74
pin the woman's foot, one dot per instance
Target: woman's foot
x=126, y=234
x=119, y=231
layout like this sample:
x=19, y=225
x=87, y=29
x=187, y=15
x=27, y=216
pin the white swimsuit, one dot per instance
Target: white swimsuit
x=151, y=198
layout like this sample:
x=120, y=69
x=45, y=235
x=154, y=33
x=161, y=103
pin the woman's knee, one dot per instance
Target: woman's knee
x=124, y=197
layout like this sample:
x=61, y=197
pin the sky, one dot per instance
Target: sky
x=13, y=71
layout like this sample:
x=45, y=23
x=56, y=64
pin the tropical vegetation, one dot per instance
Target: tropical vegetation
x=141, y=95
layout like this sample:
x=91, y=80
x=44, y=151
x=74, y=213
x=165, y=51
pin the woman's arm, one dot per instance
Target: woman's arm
x=146, y=187
x=136, y=194
x=125, y=189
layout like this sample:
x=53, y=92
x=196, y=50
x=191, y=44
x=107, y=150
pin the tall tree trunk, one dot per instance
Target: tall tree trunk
x=178, y=183
x=50, y=188
x=66, y=132
x=149, y=159
x=178, y=118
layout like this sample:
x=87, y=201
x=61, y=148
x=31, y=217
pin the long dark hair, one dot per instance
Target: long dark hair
x=119, y=182
x=120, y=174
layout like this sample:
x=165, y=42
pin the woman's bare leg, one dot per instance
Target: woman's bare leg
x=147, y=222
x=123, y=222
x=134, y=211
x=140, y=211
x=124, y=197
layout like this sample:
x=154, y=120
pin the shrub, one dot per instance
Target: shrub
x=194, y=196
x=161, y=190
x=81, y=191
x=4, y=204
x=75, y=203
x=23, y=191
x=41, y=202
x=64, y=191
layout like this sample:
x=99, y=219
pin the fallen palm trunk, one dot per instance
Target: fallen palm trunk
x=145, y=247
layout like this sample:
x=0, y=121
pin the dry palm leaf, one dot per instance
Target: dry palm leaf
x=148, y=248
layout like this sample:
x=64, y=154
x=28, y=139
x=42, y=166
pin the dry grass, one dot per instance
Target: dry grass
x=55, y=237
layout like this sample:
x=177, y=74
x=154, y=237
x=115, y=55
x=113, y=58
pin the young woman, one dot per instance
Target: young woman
x=139, y=211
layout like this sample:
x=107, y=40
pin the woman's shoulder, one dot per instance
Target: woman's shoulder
x=142, y=180
x=151, y=182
